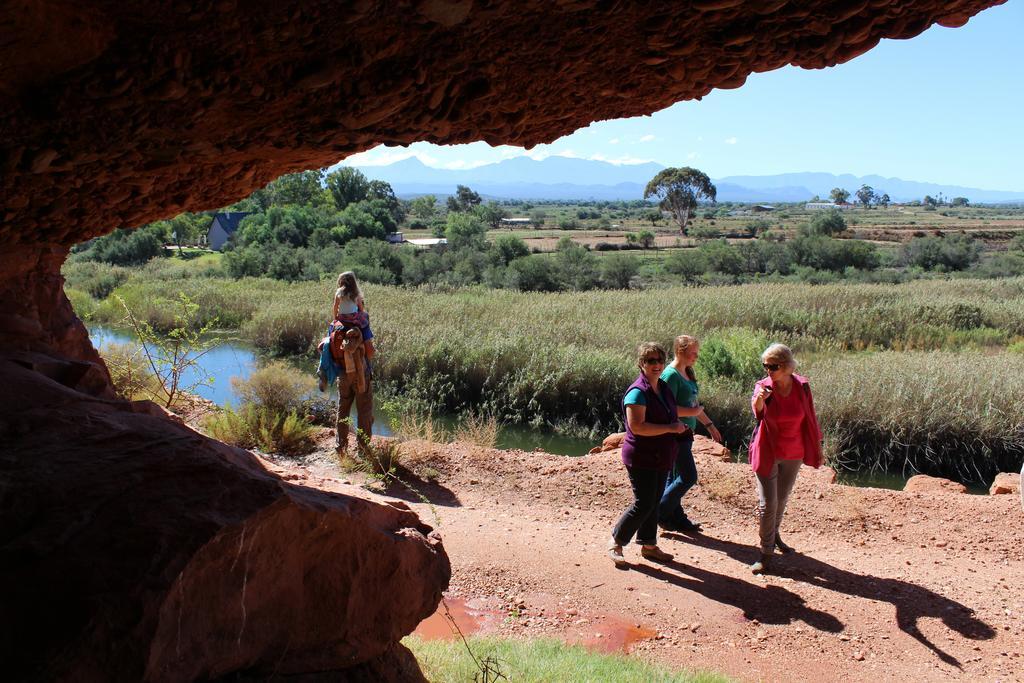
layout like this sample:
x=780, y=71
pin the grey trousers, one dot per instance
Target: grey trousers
x=772, y=495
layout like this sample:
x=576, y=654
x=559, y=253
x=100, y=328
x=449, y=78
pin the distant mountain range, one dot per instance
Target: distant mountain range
x=568, y=178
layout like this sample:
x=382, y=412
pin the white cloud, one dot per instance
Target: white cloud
x=647, y=138
x=732, y=141
x=692, y=155
x=613, y=141
x=700, y=138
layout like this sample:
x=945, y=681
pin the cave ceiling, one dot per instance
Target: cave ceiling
x=114, y=114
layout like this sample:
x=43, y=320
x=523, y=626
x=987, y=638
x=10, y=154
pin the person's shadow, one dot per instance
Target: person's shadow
x=406, y=485
x=912, y=602
x=768, y=604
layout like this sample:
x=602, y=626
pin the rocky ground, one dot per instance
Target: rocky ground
x=887, y=585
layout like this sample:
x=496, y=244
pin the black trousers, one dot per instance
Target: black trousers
x=641, y=518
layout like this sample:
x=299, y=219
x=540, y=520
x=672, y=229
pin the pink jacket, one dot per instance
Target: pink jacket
x=761, y=457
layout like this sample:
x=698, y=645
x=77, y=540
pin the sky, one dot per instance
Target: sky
x=944, y=107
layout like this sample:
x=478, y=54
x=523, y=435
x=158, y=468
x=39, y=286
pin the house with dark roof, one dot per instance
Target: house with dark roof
x=224, y=226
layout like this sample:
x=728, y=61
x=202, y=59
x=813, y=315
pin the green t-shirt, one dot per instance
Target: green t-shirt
x=685, y=391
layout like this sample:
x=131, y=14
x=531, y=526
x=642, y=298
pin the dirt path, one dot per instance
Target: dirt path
x=887, y=586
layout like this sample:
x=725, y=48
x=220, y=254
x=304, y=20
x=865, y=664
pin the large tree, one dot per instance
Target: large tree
x=839, y=195
x=680, y=189
x=865, y=195
x=347, y=185
x=463, y=200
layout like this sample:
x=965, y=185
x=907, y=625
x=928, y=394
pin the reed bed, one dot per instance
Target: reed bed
x=914, y=375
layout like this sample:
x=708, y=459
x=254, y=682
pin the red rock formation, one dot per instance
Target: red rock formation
x=1005, y=482
x=922, y=483
x=118, y=526
x=135, y=548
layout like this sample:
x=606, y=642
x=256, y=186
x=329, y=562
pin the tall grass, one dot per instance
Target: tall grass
x=880, y=356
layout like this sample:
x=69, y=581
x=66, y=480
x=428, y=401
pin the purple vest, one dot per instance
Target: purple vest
x=651, y=452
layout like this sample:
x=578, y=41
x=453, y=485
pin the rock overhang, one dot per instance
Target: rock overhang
x=125, y=112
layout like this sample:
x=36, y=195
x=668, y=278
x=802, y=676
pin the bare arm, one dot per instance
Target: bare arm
x=636, y=416
x=686, y=411
x=334, y=311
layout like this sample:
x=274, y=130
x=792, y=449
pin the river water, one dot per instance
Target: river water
x=230, y=358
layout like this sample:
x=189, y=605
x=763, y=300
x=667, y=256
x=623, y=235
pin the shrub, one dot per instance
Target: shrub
x=688, y=264
x=277, y=387
x=617, y=270
x=532, y=274
x=130, y=372
x=954, y=252
x=254, y=427
x=478, y=429
x=827, y=223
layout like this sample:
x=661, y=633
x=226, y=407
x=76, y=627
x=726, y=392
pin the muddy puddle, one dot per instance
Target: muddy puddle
x=600, y=632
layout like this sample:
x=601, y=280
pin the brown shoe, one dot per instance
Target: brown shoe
x=655, y=554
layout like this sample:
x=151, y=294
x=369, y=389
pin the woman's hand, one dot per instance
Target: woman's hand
x=760, y=396
x=713, y=431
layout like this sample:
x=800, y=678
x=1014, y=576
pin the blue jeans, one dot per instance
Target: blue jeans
x=684, y=476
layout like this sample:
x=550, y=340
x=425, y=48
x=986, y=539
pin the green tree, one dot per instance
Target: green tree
x=680, y=190
x=930, y=201
x=653, y=216
x=865, y=195
x=687, y=263
x=884, y=200
x=463, y=200
x=491, y=214
x=959, y=201
x=506, y=249
x=577, y=267
x=538, y=217
x=464, y=231
x=424, y=208
x=617, y=270
x=645, y=238
x=347, y=185
x=380, y=191
x=828, y=223
x=838, y=195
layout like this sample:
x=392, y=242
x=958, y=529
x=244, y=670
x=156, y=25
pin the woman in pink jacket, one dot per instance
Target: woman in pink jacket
x=786, y=436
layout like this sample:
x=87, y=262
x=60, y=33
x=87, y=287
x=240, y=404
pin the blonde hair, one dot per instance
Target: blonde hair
x=779, y=353
x=679, y=346
x=646, y=348
x=347, y=285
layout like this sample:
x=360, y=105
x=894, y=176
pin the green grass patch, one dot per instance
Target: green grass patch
x=541, y=661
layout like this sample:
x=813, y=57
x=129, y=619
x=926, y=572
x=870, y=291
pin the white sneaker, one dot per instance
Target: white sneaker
x=615, y=552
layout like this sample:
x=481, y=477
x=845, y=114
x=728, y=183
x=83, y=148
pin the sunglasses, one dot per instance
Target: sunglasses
x=771, y=367
x=654, y=361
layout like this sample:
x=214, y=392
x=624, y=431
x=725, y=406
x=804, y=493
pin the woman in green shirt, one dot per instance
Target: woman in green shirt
x=681, y=379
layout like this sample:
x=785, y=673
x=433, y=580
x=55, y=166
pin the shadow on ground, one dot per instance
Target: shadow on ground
x=912, y=602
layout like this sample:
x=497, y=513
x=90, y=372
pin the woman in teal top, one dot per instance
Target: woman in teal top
x=681, y=379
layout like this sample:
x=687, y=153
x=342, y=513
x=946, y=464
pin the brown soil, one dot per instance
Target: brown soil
x=886, y=585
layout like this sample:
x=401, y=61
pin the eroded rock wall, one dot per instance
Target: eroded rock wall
x=124, y=112
x=133, y=548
